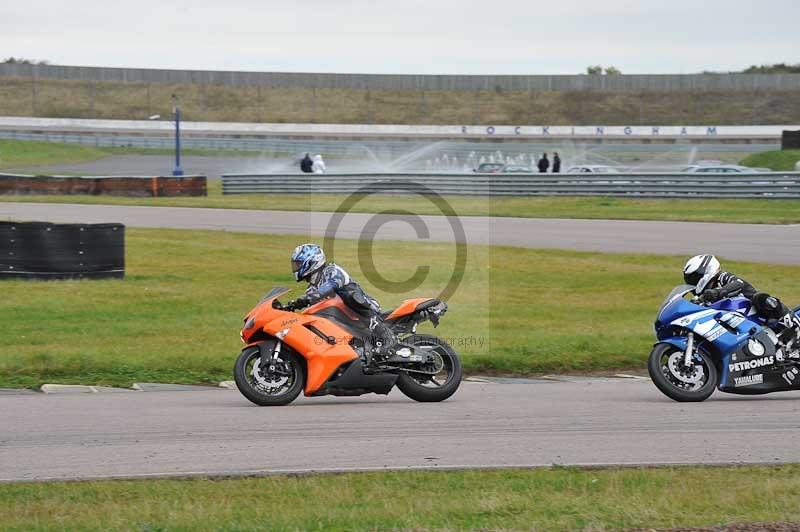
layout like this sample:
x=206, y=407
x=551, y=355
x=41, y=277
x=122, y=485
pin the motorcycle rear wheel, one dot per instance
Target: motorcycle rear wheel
x=671, y=385
x=271, y=389
x=430, y=388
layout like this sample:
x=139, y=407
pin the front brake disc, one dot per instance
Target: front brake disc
x=677, y=369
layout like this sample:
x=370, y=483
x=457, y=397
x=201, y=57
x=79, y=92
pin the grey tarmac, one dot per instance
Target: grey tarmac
x=775, y=244
x=594, y=422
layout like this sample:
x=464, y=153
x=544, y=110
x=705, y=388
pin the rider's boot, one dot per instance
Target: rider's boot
x=383, y=344
x=789, y=337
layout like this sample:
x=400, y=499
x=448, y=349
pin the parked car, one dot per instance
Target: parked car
x=517, y=169
x=489, y=168
x=592, y=169
x=500, y=168
x=722, y=169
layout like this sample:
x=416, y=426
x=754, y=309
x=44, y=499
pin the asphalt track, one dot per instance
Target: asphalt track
x=776, y=244
x=217, y=432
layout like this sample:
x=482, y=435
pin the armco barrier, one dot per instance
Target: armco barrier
x=39, y=250
x=783, y=185
x=111, y=186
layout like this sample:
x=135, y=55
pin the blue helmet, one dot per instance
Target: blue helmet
x=307, y=259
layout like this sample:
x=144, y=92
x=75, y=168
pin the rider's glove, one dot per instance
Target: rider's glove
x=711, y=295
x=302, y=302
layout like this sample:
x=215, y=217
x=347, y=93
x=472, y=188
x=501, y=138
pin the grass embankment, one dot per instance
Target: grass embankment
x=229, y=103
x=176, y=316
x=557, y=499
x=780, y=160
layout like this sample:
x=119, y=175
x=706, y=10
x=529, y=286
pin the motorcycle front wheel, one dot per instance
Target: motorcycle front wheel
x=678, y=382
x=443, y=376
x=277, y=384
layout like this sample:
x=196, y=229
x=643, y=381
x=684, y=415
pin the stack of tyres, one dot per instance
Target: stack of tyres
x=39, y=250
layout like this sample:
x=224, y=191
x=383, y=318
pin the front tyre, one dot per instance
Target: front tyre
x=441, y=378
x=277, y=384
x=678, y=382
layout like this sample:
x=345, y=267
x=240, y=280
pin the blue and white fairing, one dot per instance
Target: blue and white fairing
x=728, y=332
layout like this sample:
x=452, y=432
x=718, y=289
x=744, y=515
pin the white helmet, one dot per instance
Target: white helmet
x=699, y=271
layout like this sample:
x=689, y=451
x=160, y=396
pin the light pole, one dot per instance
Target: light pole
x=177, y=110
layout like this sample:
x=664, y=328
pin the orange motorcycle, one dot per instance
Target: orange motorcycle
x=322, y=350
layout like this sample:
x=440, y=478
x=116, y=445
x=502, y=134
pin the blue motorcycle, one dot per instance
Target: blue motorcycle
x=724, y=344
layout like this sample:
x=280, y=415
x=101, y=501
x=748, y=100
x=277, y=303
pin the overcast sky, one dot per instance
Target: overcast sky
x=406, y=36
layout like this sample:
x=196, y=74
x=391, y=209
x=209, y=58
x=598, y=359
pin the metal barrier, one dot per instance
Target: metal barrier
x=777, y=185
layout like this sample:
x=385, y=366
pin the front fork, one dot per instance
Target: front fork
x=689, y=353
x=269, y=355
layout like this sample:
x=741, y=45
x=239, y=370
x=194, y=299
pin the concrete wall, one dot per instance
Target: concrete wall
x=667, y=82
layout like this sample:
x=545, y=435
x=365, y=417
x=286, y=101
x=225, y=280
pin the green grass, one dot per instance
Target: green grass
x=781, y=160
x=177, y=315
x=555, y=499
x=18, y=153
x=731, y=211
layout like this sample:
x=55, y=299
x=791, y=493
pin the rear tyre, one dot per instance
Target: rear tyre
x=678, y=382
x=277, y=385
x=427, y=388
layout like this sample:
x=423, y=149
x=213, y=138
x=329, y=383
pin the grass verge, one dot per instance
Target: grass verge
x=780, y=160
x=176, y=316
x=759, y=211
x=19, y=154
x=15, y=154
x=555, y=499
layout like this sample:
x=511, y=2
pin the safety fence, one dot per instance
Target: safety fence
x=578, y=82
x=39, y=250
x=755, y=185
x=156, y=187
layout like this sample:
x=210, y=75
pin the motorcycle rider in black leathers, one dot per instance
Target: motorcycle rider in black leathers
x=711, y=284
x=326, y=279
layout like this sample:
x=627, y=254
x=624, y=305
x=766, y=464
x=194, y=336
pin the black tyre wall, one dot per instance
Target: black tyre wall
x=38, y=250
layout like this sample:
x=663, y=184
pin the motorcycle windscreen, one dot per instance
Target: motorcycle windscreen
x=275, y=292
x=676, y=293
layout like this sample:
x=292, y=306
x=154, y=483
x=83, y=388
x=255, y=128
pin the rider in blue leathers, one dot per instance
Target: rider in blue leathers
x=326, y=279
x=711, y=284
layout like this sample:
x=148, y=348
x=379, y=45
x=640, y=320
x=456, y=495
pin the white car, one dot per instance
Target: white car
x=592, y=169
x=722, y=169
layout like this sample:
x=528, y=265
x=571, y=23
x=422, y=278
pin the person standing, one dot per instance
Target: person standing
x=319, y=165
x=306, y=164
x=556, y=163
x=544, y=164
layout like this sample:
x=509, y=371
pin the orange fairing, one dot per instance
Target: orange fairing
x=323, y=355
x=407, y=307
x=332, y=302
